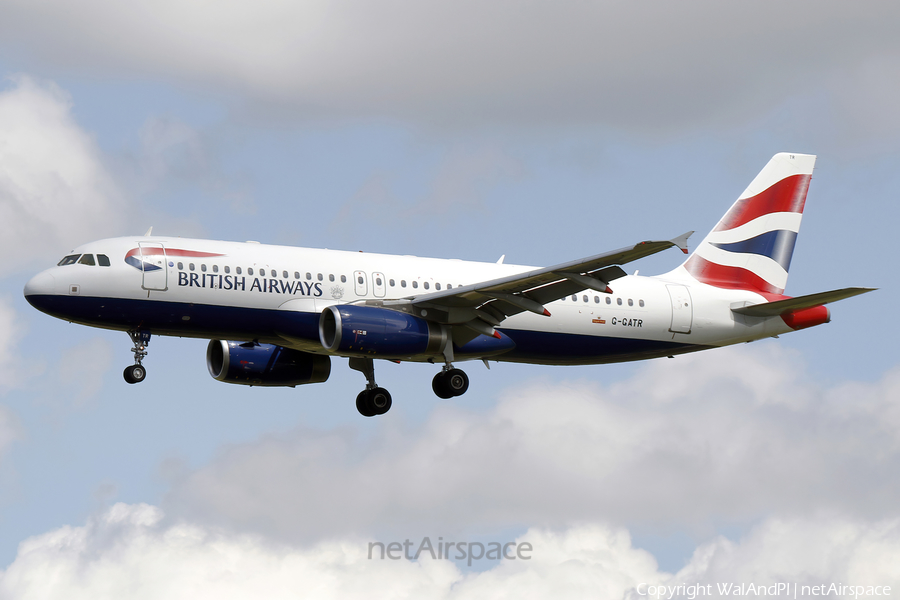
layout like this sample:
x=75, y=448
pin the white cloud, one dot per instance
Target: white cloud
x=54, y=190
x=131, y=551
x=731, y=435
x=634, y=65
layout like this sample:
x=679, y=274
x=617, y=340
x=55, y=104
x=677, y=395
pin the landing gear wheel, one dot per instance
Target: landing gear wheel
x=380, y=400
x=376, y=401
x=439, y=385
x=362, y=404
x=457, y=381
x=134, y=373
x=450, y=383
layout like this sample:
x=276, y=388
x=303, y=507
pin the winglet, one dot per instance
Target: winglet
x=681, y=241
x=149, y=232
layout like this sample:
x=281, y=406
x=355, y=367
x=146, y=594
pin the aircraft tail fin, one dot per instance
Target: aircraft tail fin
x=751, y=246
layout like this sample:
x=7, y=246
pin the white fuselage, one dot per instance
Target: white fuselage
x=248, y=291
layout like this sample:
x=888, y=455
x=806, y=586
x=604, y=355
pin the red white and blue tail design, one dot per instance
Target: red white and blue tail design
x=751, y=246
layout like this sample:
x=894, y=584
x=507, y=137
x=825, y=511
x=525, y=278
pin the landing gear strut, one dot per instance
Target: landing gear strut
x=450, y=382
x=136, y=373
x=373, y=400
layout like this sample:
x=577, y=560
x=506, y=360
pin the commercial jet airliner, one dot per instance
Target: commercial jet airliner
x=276, y=315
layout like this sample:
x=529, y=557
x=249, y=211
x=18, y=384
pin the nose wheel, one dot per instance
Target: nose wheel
x=136, y=373
x=450, y=382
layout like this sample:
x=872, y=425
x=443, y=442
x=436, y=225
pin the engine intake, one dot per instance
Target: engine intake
x=264, y=364
x=371, y=331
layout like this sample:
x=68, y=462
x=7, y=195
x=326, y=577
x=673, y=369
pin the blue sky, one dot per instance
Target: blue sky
x=541, y=132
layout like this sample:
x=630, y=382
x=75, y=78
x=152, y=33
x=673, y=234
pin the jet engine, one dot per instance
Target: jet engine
x=250, y=363
x=372, y=331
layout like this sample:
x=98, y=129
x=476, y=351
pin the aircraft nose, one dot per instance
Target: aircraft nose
x=42, y=284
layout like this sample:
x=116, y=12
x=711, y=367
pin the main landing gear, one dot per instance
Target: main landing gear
x=376, y=400
x=450, y=382
x=373, y=400
x=136, y=373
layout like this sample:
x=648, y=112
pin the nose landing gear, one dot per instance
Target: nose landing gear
x=136, y=373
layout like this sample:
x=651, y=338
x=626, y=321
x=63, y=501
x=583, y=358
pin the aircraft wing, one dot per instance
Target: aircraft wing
x=481, y=306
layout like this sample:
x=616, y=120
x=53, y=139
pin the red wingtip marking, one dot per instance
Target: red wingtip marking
x=546, y=313
x=685, y=250
x=609, y=290
x=497, y=335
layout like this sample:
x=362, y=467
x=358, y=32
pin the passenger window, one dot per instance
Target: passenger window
x=391, y=283
x=574, y=297
x=378, y=281
x=415, y=284
x=641, y=303
x=331, y=277
x=284, y=274
x=180, y=265
x=203, y=267
x=343, y=279
x=237, y=270
x=425, y=285
x=250, y=271
x=103, y=260
x=191, y=266
x=402, y=283
x=630, y=302
x=608, y=300
x=449, y=286
x=596, y=299
x=68, y=260
x=227, y=269
x=309, y=276
x=437, y=286
x=359, y=280
x=262, y=273
x=215, y=268
x=585, y=298
x=296, y=274
x=619, y=301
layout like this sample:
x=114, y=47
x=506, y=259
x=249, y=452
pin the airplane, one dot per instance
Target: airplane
x=276, y=315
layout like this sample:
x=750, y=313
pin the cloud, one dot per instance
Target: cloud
x=54, y=190
x=638, y=66
x=726, y=436
x=131, y=551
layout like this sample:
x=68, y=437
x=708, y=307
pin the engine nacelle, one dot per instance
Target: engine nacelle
x=264, y=364
x=371, y=331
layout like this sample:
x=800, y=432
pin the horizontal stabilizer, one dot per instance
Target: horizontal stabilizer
x=773, y=309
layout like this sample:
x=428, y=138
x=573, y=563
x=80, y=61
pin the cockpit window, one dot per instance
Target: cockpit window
x=69, y=260
x=87, y=259
x=103, y=260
